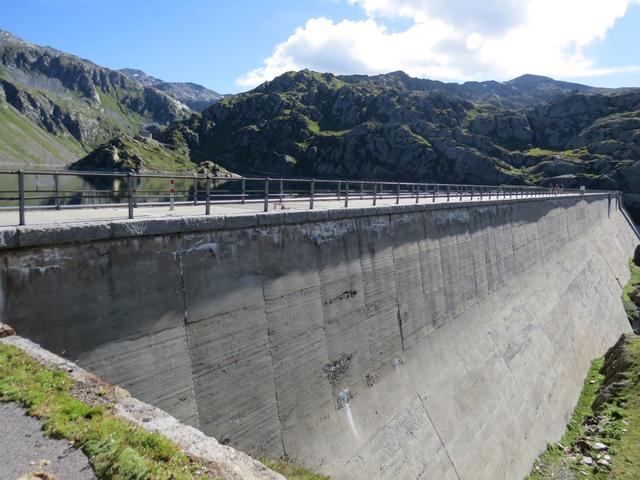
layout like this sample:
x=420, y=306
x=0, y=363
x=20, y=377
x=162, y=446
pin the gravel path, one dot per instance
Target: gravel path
x=24, y=449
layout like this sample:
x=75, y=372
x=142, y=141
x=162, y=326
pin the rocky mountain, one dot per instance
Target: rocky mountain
x=55, y=107
x=194, y=96
x=398, y=128
x=526, y=90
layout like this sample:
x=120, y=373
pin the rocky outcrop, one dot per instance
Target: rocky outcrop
x=194, y=96
x=531, y=129
x=398, y=128
x=617, y=362
x=70, y=97
x=524, y=91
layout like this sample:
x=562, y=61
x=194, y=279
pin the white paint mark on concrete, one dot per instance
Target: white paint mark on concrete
x=344, y=403
x=447, y=217
x=212, y=247
x=352, y=423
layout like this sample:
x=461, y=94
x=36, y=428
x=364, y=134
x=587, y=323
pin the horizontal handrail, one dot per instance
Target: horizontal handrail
x=134, y=189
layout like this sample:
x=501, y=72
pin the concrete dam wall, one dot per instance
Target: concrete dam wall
x=426, y=341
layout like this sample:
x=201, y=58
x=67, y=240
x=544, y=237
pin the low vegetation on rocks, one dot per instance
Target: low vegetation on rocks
x=56, y=109
x=396, y=127
x=602, y=440
x=631, y=293
x=62, y=106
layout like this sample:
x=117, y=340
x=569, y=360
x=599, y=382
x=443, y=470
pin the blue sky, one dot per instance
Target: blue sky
x=231, y=46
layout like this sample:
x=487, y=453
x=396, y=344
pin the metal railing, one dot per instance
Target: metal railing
x=78, y=189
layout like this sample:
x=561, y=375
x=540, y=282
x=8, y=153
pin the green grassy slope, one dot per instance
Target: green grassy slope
x=23, y=143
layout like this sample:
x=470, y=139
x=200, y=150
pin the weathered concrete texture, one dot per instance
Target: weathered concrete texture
x=415, y=343
x=227, y=462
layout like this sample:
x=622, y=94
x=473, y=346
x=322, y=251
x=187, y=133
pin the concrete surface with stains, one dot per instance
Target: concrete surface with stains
x=440, y=341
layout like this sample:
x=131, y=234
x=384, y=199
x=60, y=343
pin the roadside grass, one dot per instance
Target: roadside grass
x=116, y=449
x=290, y=471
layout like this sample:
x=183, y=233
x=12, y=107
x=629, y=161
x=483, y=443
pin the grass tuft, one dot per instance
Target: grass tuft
x=116, y=449
x=291, y=471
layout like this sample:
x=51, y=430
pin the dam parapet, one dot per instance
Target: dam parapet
x=379, y=342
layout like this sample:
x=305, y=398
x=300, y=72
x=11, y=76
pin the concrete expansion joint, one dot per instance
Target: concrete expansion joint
x=178, y=258
x=435, y=429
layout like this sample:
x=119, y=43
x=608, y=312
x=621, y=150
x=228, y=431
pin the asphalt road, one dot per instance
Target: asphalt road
x=24, y=449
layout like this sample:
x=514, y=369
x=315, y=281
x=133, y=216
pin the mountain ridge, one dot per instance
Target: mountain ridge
x=72, y=103
x=193, y=95
x=531, y=129
x=317, y=124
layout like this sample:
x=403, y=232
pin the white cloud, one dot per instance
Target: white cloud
x=452, y=40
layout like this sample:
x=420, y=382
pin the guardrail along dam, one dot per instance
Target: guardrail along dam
x=440, y=341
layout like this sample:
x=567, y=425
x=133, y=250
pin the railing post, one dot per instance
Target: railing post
x=448, y=192
x=21, y=199
x=244, y=189
x=312, y=191
x=266, y=194
x=417, y=189
x=195, y=191
x=398, y=193
x=135, y=196
x=375, y=194
x=435, y=193
x=339, y=188
x=471, y=193
x=460, y=189
x=172, y=194
x=346, y=194
x=207, y=210
x=361, y=190
x=130, y=193
x=56, y=182
x=281, y=189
